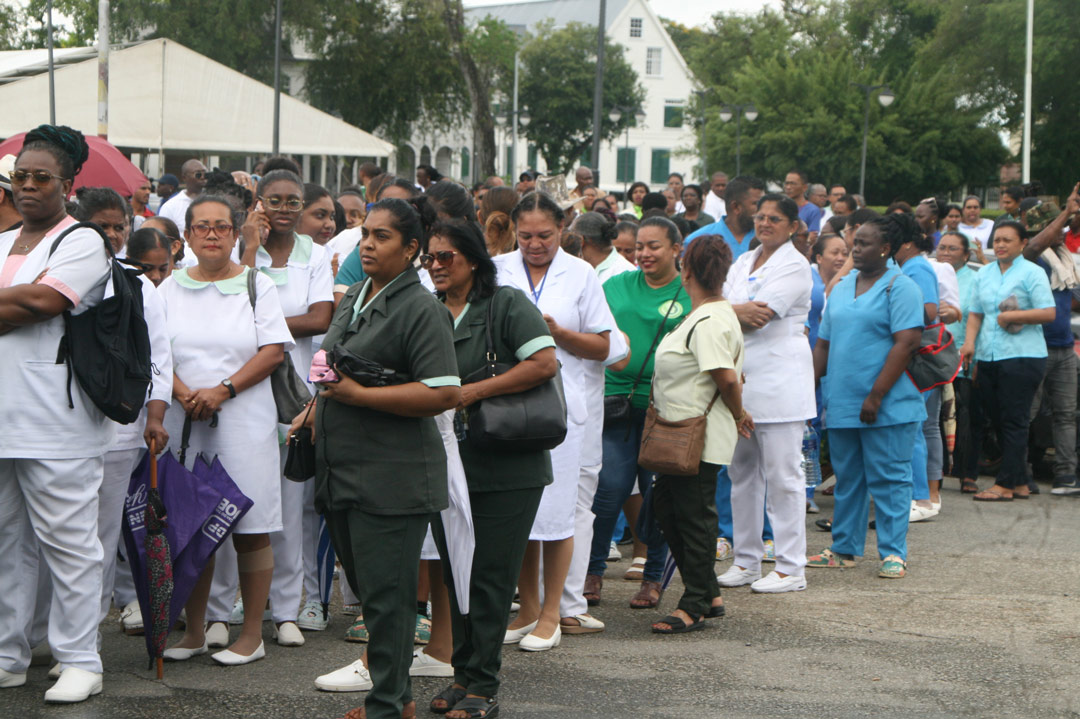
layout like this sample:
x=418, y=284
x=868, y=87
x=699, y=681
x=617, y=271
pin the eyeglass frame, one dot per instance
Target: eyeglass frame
x=32, y=175
x=433, y=256
x=283, y=204
x=228, y=229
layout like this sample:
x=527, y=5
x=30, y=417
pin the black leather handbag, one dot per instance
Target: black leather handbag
x=300, y=458
x=360, y=369
x=525, y=421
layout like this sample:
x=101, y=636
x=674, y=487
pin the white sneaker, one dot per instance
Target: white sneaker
x=351, y=678
x=10, y=680
x=736, y=576
x=131, y=620
x=288, y=635
x=74, y=685
x=217, y=635
x=614, y=554
x=773, y=583
x=313, y=618
x=425, y=665
x=921, y=514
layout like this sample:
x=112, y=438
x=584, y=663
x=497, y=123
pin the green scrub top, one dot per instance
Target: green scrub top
x=519, y=331
x=380, y=462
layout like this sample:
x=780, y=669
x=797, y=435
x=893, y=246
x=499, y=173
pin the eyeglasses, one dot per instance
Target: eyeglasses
x=40, y=177
x=198, y=174
x=771, y=219
x=291, y=204
x=445, y=258
x=201, y=230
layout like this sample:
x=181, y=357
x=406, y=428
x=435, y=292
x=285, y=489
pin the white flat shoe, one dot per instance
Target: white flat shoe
x=131, y=620
x=73, y=686
x=10, y=680
x=232, y=659
x=179, y=654
x=513, y=636
x=425, y=665
x=533, y=643
x=587, y=624
x=351, y=678
x=773, y=583
x=217, y=635
x=921, y=514
x=288, y=635
x=736, y=577
x=54, y=671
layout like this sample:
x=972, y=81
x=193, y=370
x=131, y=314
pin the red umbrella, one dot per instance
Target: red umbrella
x=106, y=166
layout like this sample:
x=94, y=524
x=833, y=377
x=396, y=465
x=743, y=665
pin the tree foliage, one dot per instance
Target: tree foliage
x=556, y=88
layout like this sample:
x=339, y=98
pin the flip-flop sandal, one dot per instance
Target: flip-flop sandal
x=407, y=712
x=451, y=695
x=825, y=525
x=677, y=626
x=715, y=612
x=1021, y=496
x=993, y=496
x=969, y=486
x=478, y=707
x=644, y=598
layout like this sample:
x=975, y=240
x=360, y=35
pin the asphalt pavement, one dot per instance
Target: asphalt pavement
x=986, y=624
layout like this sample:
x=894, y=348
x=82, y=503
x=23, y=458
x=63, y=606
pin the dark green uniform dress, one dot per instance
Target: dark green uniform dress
x=504, y=491
x=380, y=477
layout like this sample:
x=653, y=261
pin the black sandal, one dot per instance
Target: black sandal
x=677, y=626
x=451, y=695
x=715, y=612
x=478, y=707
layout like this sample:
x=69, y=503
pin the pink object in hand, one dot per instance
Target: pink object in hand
x=321, y=372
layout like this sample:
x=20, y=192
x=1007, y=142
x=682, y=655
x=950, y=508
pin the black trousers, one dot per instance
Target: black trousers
x=685, y=508
x=501, y=524
x=1006, y=389
x=965, y=455
x=381, y=558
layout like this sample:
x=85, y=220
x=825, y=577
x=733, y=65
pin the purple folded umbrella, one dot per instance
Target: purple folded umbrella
x=204, y=507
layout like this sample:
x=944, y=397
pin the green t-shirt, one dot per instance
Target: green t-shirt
x=638, y=310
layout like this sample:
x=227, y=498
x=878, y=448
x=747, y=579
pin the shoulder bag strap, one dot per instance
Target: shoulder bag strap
x=251, y=290
x=489, y=334
x=655, y=342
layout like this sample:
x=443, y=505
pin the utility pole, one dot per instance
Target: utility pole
x=1026, y=170
x=103, y=68
x=52, y=79
x=277, y=79
x=598, y=92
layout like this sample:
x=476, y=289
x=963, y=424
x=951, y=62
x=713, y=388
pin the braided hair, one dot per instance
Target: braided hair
x=897, y=230
x=66, y=145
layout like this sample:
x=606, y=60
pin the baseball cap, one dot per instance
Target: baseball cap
x=169, y=179
x=7, y=165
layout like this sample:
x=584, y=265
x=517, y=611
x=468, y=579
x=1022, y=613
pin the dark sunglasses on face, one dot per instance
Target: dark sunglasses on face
x=445, y=258
x=39, y=177
x=198, y=174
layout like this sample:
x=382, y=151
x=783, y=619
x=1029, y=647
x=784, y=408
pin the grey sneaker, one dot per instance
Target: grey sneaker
x=1065, y=486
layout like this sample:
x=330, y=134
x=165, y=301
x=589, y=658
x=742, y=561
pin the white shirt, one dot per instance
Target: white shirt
x=948, y=285
x=779, y=366
x=978, y=233
x=130, y=436
x=175, y=208
x=714, y=205
x=613, y=264
x=35, y=418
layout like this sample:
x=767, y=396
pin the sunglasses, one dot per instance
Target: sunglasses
x=201, y=230
x=39, y=177
x=771, y=219
x=445, y=258
x=291, y=204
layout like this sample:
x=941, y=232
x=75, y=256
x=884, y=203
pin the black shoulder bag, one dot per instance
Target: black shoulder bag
x=617, y=406
x=291, y=393
x=525, y=421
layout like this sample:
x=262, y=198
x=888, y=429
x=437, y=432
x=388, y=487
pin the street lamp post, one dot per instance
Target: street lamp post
x=885, y=97
x=615, y=115
x=738, y=111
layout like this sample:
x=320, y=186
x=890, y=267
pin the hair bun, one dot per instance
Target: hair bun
x=67, y=139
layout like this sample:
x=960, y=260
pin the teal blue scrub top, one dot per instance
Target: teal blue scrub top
x=965, y=277
x=720, y=228
x=1028, y=282
x=918, y=269
x=351, y=270
x=860, y=335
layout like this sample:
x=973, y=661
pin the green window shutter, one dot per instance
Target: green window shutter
x=465, y=163
x=532, y=156
x=625, y=164
x=510, y=164
x=661, y=166
x=673, y=116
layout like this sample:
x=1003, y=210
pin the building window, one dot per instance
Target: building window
x=661, y=166
x=510, y=163
x=465, y=163
x=626, y=164
x=652, y=61
x=532, y=157
x=636, y=24
x=673, y=116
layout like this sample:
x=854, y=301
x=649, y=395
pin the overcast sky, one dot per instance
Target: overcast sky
x=688, y=12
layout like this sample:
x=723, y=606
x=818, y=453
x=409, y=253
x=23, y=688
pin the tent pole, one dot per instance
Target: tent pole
x=277, y=78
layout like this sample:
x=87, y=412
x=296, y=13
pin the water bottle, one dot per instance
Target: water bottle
x=810, y=457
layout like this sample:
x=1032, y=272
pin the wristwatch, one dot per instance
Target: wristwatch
x=229, y=386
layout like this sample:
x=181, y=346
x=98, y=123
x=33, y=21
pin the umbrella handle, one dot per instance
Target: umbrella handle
x=153, y=465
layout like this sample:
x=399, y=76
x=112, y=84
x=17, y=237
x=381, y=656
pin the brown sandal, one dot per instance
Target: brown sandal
x=989, y=495
x=593, y=584
x=648, y=596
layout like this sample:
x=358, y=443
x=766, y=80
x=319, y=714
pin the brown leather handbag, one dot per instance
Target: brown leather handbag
x=673, y=448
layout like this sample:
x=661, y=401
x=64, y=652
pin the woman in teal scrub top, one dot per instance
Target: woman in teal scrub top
x=871, y=327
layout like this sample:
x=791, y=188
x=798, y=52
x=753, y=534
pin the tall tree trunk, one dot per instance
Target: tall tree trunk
x=483, y=124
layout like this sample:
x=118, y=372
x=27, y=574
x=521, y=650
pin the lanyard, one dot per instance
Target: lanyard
x=535, y=292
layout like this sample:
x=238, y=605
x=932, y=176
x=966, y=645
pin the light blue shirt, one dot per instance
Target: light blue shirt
x=721, y=228
x=1028, y=283
x=860, y=335
x=918, y=269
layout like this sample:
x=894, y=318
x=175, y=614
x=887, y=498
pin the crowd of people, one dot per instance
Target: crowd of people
x=772, y=321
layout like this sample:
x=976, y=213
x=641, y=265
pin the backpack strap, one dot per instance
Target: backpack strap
x=79, y=226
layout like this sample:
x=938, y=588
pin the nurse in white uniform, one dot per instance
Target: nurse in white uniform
x=300, y=269
x=224, y=351
x=769, y=289
x=51, y=453
x=568, y=293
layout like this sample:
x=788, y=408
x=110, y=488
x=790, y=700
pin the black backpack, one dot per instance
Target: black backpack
x=107, y=347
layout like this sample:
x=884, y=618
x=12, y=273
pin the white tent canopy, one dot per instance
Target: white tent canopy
x=165, y=97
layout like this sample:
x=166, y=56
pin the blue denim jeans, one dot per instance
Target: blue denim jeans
x=618, y=474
